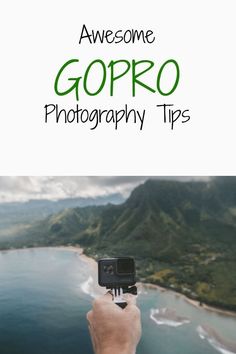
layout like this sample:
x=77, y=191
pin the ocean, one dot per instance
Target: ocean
x=46, y=293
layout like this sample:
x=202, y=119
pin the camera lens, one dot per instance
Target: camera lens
x=125, y=266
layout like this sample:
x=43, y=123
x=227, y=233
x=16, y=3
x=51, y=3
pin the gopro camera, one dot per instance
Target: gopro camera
x=117, y=274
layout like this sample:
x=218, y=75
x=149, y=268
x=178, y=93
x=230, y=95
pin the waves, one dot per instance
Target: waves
x=90, y=287
x=167, y=317
x=221, y=344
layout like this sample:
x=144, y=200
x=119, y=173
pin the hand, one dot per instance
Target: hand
x=114, y=330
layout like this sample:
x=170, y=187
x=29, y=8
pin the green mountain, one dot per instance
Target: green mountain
x=182, y=234
x=15, y=216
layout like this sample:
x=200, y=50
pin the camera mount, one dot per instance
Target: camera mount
x=117, y=294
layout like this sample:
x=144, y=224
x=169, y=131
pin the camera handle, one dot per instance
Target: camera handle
x=118, y=295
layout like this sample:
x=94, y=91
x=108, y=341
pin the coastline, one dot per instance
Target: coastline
x=192, y=302
x=91, y=261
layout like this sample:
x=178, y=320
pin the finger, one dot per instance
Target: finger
x=132, y=310
x=101, y=301
x=92, y=337
x=106, y=297
x=90, y=329
x=89, y=316
x=130, y=299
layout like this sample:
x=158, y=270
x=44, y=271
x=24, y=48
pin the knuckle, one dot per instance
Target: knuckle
x=89, y=316
x=96, y=302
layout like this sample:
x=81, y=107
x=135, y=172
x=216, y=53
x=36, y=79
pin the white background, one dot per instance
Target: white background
x=37, y=37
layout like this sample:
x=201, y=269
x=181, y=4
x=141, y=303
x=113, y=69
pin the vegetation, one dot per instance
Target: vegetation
x=182, y=234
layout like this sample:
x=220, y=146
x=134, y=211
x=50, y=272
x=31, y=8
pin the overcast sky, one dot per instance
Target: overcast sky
x=25, y=188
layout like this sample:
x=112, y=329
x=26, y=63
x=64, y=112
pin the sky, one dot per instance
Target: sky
x=19, y=189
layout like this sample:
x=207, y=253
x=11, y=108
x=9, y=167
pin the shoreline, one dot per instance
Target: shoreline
x=91, y=261
x=192, y=302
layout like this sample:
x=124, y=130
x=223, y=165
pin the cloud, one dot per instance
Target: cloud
x=49, y=187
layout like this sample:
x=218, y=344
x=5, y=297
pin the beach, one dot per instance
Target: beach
x=192, y=302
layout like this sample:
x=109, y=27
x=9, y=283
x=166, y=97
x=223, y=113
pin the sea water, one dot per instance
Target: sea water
x=46, y=293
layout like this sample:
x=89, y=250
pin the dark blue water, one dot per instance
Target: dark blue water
x=43, y=309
